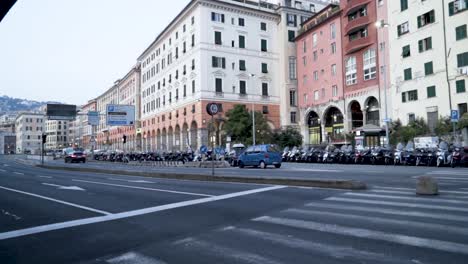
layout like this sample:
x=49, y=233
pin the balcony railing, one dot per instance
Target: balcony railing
x=358, y=22
x=358, y=44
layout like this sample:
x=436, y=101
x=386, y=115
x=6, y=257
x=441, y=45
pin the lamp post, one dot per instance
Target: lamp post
x=253, y=116
x=381, y=25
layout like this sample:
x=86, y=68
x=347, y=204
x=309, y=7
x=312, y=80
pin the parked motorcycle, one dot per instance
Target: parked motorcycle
x=398, y=156
x=443, y=154
x=456, y=157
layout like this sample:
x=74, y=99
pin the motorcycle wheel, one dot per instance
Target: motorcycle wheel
x=438, y=163
x=453, y=164
x=418, y=161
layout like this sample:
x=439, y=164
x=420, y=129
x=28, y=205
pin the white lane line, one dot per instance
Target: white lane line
x=312, y=170
x=413, y=199
x=2, y=170
x=134, y=181
x=133, y=257
x=414, y=189
x=446, y=178
x=390, y=211
x=234, y=255
x=57, y=201
x=334, y=251
x=369, y=234
x=410, y=205
x=19, y=173
x=48, y=177
x=441, y=194
x=144, y=188
x=112, y=217
x=454, y=173
x=379, y=220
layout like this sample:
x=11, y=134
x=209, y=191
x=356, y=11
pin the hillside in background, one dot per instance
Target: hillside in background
x=15, y=105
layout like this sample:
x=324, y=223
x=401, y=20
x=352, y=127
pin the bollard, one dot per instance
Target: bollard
x=427, y=186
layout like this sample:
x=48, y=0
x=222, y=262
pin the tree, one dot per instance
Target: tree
x=400, y=133
x=443, y=127
x=239, y=126
x=288, y=137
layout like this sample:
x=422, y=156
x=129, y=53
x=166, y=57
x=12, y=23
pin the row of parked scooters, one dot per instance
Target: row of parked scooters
x=444, y=155
x=119, y=156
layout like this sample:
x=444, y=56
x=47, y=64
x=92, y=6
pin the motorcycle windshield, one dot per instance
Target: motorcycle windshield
x=443, y=145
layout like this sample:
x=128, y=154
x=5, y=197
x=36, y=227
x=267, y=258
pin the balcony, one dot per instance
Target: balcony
x=354, y=5
x=358, y=44
x=357, y=23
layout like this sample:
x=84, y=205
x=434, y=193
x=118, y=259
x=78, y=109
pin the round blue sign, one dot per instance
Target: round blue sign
x=203, y=149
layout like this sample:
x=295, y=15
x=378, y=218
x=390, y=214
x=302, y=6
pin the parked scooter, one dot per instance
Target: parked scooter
x=443, y=155
x=456, y=157
x=398, y=157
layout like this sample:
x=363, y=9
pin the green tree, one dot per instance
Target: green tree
x=289, y=137
x=443, y=127
x=463, y=121
x=239, y=126
x=400, y=133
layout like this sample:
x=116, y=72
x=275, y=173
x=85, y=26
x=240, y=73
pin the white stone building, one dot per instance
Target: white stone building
x=29, y=128
x=58, y=134
x=428, y=58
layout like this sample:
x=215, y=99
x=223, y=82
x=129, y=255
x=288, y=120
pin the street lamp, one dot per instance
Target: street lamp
x=253, y=116
x=381, y=25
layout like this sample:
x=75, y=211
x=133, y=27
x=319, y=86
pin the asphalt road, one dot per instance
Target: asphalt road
x=51, y=216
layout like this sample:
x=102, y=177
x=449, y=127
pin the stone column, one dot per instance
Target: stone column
x=202, y=137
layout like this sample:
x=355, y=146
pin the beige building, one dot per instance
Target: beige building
x=29, y=128
x=57, y=134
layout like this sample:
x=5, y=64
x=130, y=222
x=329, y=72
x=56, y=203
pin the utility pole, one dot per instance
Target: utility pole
x=381, y=25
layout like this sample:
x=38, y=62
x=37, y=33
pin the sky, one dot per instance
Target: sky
x=73, y=50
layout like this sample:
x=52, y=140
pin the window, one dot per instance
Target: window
x=304, y=46
x=314, y=40
x=304, y=60
x=264, y=45
x=403, y=5
x=291, y=20
x=408, y=74
x=242, y=88
x=334, y=90
x=263, y=26
x=242, y=65
x=460, y=85
x=292, y=98
x=193, y=40
x=351, y=74
x=403, y=28
x=431, y=91
x=411, y=118
x=428, y=68
x=291, y=35
x=293, y=118
x=242, y=42
x=457, y=6
x=185, y=90
x=462, y=108
x=316, y=96
x=460, y=32
x=264, y=68
x=361, y=33
x=193, y=20
x=333, y=31
x=218, y=37
x=292, y=68
x=462, y=59
x=409, y=96
x=425, y=44
x=241, y=22
x=370, y=66
x=193, y=86
x=406, y=51
x=333, y=48
x=316, y=75
x=219, y=85
x=426, y=19
x=315, y=55
x=333, y=70
x=218, y=62
x=193, y=64
x=264, y=89
x=216, y=17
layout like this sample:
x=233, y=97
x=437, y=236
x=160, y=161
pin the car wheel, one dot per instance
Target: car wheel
x=263, y=165
x=277, y=166
x=241, y=164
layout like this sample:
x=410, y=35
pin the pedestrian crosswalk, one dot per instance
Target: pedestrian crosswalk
x=381, y=225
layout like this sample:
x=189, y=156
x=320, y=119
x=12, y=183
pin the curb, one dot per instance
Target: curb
x=332, y=184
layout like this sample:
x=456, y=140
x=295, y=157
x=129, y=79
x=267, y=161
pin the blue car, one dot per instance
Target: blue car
x=260, y=156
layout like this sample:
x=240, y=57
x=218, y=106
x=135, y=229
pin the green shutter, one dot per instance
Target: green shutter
x=264, y=68
x=214, y=62
x=241, y=42
x=451, y=8
x=462, y=60
x=428, y=68
x=432, y=16
x=406, y=51
x=420, y=45
x=429, y=43
x=431, y=91
x=460, y=84
x=399, y=30
x=408, y=74
x=403, y=5
x=419, y=21
x=403, y=97
x=224, y=63
x=461, y=32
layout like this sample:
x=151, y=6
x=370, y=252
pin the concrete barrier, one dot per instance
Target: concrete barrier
x=335, y=184
x=427, y=186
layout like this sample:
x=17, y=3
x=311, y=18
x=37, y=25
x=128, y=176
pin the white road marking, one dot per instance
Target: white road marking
x=6, y=165
x=48, y=177
x=414, y=199
x=11, y=214
x=144, y=188
x=441, y=194
x=369, y=234
x=390, y=211
x=313, y=170
x=379, y=220
x=135, y=181
x=72, y=188
x=2, y=170
x=225, y=252
x=456, y=173
x=410, y=205
x=57, y=201
x=414, y=189
x=334, y=251
x=112, y=217
x=132, y=258
x=19, y=173
x=446, y=178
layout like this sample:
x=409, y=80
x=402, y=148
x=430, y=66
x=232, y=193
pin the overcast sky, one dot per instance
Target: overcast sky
x=73, y=50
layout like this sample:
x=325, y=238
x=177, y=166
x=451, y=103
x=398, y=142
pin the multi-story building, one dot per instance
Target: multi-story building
x=111, y=96
x=29, y=129
x=87, y=131
x=293, y=14
x=429, y=58
x=7, y=143
x=7, y=119
x=57, y=132
x=321, y=94
x=223, y=52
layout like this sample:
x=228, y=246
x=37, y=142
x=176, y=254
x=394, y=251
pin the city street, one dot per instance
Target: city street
x=53, y=216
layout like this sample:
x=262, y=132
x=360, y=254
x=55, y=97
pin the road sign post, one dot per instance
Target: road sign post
x=455, y=117
x=212, y=109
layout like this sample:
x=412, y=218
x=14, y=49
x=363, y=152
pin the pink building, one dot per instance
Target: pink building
x=320, y=77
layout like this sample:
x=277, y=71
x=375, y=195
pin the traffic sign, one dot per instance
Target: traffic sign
x=454, y=116
x=93, y=118
x=203, y=149
x=120, y=115
x=212, y=109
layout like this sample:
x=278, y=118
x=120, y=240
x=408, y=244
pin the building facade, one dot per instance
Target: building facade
x=29, y=128
x=58, y=134
x=87, y=131
x=7, y=143
x=429, y=59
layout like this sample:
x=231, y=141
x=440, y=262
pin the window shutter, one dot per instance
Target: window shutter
x=451, y=9
x=222, y=18
x=213, y=16
x=429, y=43
x=432, y=16
x=224, y=63
x=213, y=62
x=428, y=68
x=403, y=97
x=419, y=21
x=399, y=30
x=420, y=44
